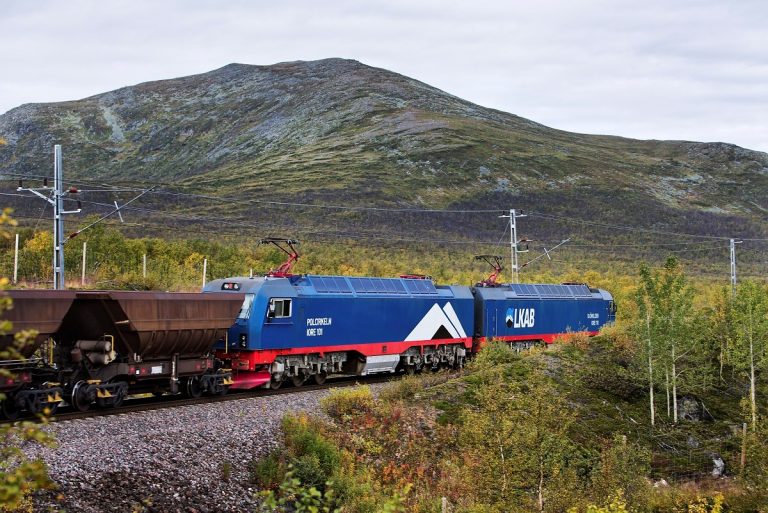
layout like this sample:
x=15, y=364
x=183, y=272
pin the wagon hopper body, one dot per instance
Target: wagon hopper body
x=113, y=343
x=29, y=386
x=39, y=310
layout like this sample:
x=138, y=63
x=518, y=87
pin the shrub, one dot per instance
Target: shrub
x=268, y=471
x=348, y=402
x=493, y=354
x=403, y=389
x=314, y=457
x=294, y=497
x=577, y=339
x=308, y=470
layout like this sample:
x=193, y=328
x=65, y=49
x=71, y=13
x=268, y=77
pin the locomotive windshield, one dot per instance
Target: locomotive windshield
x=245, y=310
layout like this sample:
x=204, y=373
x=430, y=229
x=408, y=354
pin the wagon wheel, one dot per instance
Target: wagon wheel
x=80, y=400
x=9, y=409
x=319, y=378
x=192, y=387
x=117, y=398
x=298, y=380
x=40, y=407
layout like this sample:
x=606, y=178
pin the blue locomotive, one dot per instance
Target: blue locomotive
x=299, y=327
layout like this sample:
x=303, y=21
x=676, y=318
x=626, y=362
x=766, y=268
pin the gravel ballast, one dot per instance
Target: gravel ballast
x=172, y=459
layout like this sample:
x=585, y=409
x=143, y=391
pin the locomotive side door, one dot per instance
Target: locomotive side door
x=492, y=328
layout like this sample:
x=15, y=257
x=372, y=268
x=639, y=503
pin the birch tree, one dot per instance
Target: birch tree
x=665, y=327
x=518, y=435
x=748, y=350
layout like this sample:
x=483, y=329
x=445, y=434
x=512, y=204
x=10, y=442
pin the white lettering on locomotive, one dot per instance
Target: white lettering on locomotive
x=520, y=317
x=314, y=324
x=319, y=321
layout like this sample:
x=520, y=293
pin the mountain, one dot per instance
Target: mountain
x=337, y=131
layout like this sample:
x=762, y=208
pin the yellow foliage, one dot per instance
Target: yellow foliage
x=348, y=401
x=701, y=504
x=617, y=504
x=578, y=339
x=19, y=476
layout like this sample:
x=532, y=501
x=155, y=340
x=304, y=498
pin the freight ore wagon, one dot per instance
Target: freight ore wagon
x=97, y=347
x=300, y=327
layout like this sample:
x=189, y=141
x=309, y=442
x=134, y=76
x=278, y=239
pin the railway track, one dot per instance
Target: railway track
x=135, y=405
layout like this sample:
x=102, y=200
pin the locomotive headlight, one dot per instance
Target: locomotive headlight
x=243, y=340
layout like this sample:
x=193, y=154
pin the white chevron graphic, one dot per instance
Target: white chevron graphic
x=451, y=313
x=435, y=319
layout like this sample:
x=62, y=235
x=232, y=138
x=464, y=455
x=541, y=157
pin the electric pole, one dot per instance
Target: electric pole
x=56, y=198
x=513, y=243
x=733, y=265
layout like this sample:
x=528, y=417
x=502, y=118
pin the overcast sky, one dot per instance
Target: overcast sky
x=650, y=69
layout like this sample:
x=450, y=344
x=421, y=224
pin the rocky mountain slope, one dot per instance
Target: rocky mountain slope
x=338, y=131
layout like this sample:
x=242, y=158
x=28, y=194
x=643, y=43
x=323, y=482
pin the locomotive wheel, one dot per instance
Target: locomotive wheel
x=299, y=380
x=9, y=409
x=80, y=400
x=275, y=383
x=192, y=389
x=319, y=378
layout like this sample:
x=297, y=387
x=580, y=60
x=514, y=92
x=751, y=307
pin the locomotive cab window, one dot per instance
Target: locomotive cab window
x=279, y=308
x=245, y=310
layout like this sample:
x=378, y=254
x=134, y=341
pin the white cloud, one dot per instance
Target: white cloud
x=690, y=69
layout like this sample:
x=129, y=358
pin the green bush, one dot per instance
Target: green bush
x=267, y=472
x=493, y=354
x=348, y=401
x=309, y=471
x=401, y=390
x=314, y=457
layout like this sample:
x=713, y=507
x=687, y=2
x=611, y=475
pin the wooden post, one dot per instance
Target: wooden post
x=82, y=277
x=444, y=505
x=144, y=267
x=16, y=261
x=205, y=269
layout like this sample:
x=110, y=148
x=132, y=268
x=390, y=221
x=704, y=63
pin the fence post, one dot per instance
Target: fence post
x=144, y=266
x=82, y=277
x=205, y=269
x=16, y=261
